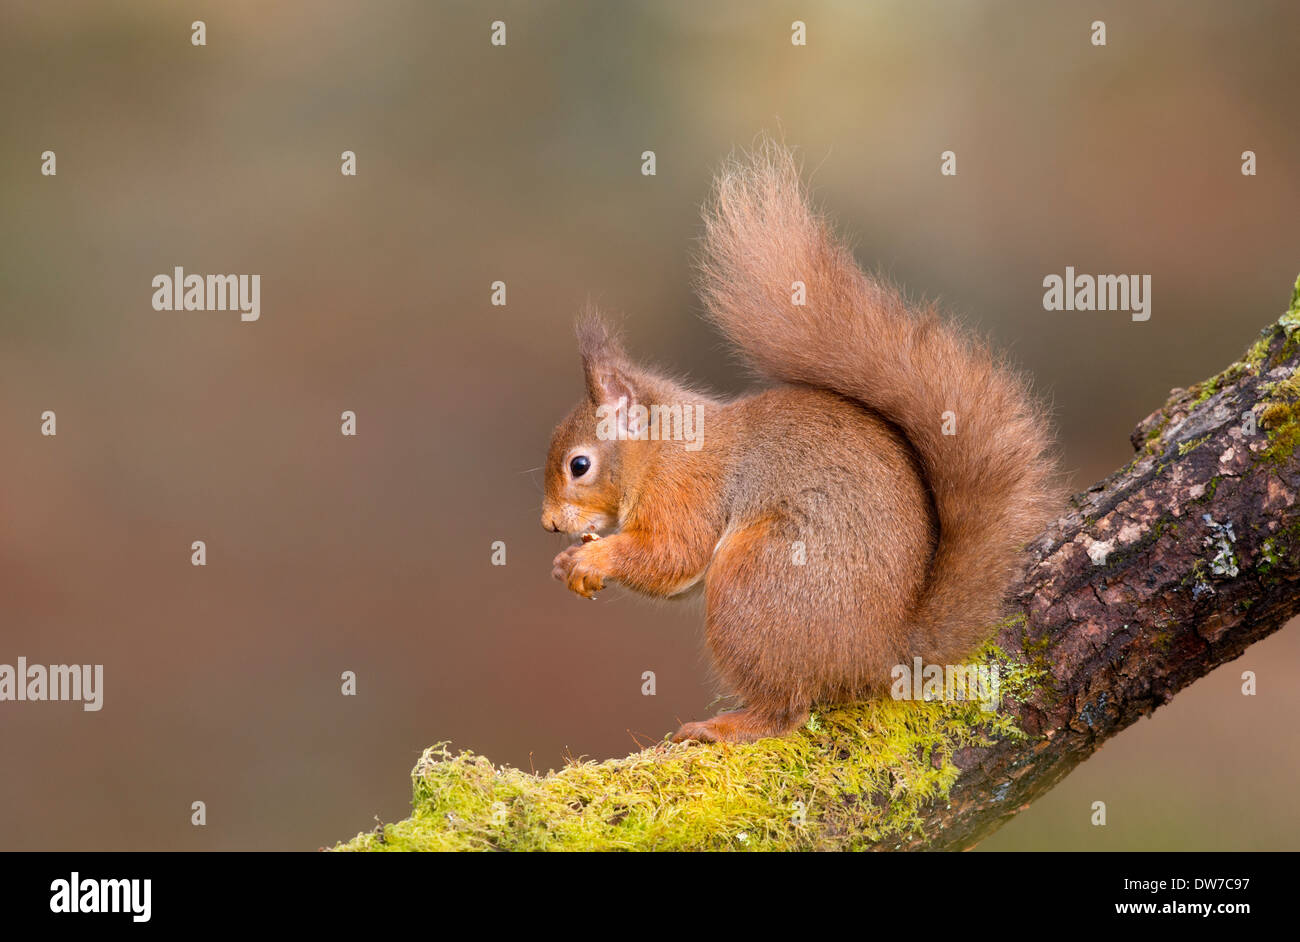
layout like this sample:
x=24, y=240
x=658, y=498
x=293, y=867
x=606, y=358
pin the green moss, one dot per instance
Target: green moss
x=1280, y=549
x=1280, y=417
x=1288, y=348
x=1281, y=421
x=1270, y=555
x=1186, y=448
x=1292, y=316
x=1289, y=324
x=1284, y=390
x=1258, y=351
x=1203, y=391
x=863, y=772
x=1277, y=415
x=1152, y=440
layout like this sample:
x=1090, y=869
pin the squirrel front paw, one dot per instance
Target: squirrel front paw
x=577, y=569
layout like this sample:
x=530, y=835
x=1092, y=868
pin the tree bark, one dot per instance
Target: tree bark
x=1158, y=574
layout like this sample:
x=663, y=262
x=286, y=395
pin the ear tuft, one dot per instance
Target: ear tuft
x=596, y=339
x=604, y=364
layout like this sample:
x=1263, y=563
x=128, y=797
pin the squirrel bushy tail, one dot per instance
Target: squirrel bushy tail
x=993, y=481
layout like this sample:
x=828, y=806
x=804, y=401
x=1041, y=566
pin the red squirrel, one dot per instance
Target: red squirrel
x=869, y=507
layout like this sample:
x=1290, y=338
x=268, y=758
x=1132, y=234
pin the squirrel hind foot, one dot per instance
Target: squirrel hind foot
x=741, y=726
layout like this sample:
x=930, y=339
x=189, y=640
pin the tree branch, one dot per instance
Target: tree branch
x=1157, y=575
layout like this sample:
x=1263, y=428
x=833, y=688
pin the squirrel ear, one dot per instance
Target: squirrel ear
x=604, y=365
x=607, y=385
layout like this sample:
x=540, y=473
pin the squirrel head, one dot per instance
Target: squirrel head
x=587, y=461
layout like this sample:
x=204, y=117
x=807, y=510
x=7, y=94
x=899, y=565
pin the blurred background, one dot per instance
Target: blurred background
x=522, y=164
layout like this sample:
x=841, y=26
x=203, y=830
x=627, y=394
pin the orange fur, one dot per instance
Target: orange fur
x=908, y=537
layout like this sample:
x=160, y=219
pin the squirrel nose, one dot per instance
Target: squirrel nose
x=548, y=523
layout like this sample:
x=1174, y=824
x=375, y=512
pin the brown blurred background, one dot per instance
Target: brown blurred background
x=522, y=163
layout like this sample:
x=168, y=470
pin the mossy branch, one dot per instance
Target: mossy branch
x=1158, y=574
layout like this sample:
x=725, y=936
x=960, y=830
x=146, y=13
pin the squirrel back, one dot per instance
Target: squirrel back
x=992, y=479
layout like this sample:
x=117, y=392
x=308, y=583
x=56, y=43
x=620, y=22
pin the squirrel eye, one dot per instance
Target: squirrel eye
x=579, y=465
